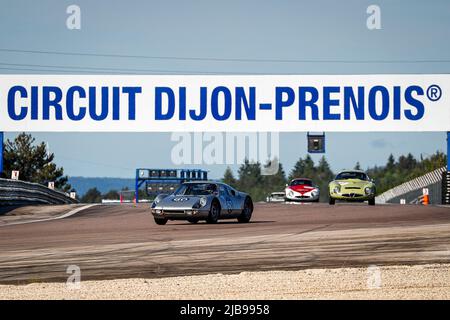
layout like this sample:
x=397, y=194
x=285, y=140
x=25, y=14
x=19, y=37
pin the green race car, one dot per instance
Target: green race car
x=352, y=185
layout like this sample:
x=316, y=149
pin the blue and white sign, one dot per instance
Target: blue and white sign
x=224, y=103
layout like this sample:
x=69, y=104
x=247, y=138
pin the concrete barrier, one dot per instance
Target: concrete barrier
x=412, y=190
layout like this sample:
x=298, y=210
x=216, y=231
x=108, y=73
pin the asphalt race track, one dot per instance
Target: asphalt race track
x=122, y=241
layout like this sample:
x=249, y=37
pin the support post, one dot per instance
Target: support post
x=1, y=152
x=446, y=176
x=448, y=150
x=136, y=186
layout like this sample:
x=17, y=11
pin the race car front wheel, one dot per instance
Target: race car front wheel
x=214, y=213
x=372, y=202
x=332, y=201
x=161, y=221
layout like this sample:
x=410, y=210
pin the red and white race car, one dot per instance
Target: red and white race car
x=302, y=189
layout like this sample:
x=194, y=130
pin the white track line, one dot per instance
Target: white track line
x=65, y=215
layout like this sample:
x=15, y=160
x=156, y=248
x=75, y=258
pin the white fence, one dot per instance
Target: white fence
x=433, y=178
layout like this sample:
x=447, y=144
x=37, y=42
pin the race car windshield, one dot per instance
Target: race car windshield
x=197, y=189
x=352, y=175
x=301, y=182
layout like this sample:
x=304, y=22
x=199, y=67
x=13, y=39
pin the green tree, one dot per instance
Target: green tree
x=406, y=168
x=250, y=179
x=33, y=161
x=274, y=182
x=249, y=174
x=323, y=177
x=324, y=170
x=92, y=196
x=228, y=177
x=111, y=195
x=390, y=165
x=406, y=163
x=303, y=168
x=437, y=160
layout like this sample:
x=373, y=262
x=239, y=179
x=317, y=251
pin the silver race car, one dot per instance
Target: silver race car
x=202, y=200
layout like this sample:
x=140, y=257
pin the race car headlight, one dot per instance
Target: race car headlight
x=337, y=189
x=202, y=202
x=291, y=193
x=155, y=202
x=368, y=190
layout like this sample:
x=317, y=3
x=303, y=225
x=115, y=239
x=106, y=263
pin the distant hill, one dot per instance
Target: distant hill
x=83, y=184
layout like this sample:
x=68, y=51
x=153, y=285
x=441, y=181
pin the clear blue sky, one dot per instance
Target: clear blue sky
x=321, y=30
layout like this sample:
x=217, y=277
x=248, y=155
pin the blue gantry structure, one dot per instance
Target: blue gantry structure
x=165, y=180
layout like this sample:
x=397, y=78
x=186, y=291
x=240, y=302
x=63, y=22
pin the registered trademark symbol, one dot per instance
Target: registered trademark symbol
x=434, y=92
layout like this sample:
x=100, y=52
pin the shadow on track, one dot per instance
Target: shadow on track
x=217, y=223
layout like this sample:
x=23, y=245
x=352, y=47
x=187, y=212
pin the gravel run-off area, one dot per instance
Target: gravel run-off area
x=431, y=281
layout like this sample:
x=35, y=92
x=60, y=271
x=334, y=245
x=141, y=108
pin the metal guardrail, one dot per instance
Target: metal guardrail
x=16, y=192
x=412, y=189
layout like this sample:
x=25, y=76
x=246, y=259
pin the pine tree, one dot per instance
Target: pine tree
x=250, y=179
x=323, y=177
x=92, y=196
x=275, y=182
x=34, y=162
x=111, y=195
x=391, y=162
x=303, y=168
x=407, y=168
x=228, y=177
x=249, y=174
x=298, y=170
x=324, y=170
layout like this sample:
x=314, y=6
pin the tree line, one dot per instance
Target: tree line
x=250, y=177
x=393, y=173
x=404, y=168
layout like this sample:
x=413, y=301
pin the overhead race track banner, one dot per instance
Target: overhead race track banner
x=105, y=103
